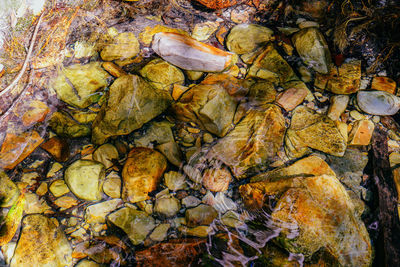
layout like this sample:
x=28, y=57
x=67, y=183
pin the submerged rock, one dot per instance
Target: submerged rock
x=42, y=243
x=384, y=84
x=131, y=103
x=246, y=38
x=200, y=215
x=124, y=46
x=65, y=126
x=378, y=102
x=253, y=143
x=167, y=206
x=97, y=213
x=8, y=191
x=106, y=154
x=142, y=173
x=216, y=179
x=312, y=130
x=313, y=49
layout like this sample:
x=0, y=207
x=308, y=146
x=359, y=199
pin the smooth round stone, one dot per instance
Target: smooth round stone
x=201, y=215
x=58, y=188
x=97, y=213
x=378, y=102
x=160, y=232
x=191, y=201
x=84, y=178
x=124, y=46
x=112, y=187
x=167, y=206
x=245, y=38
x=106, y=154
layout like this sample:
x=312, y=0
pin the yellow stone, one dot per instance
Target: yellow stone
x=146, y=36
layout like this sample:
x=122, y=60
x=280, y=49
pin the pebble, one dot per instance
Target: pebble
x=191, y=201
x=160, y=232
x=167, y=206
x=59, y=188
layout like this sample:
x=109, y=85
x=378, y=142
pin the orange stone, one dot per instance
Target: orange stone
x=178, y=90
x=384, y=84
x=113, y=69
x=37, y=112
x=16, y=148
x=361, y=133
x=291, y=98
x=57, y=147
x=217, y=180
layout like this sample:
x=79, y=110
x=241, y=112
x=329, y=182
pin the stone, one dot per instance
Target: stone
x=253, y=143
x=178, y=90
x=245, y=38
x=291, y=98
x=84, y=117
x=66, y=202
x=79, y=85
x=106, y=154
x=232, y=219
x=87, y=263
x=84, y=178
x=361, y=133
x=41, y=243
x=65, y=126
x=299, y=85
x=175, y=252
x=167, y=206
x=309, y=129
x=113, y=69
x=209, y=105
x=216, y=180
x=142, y=173
x=35, y=205
x=35, y=112
x=338, y=106
x=162, y=75
x=198, y=231
x=208, y=138
x=58, y=188
x=313, y=49
x=9, y=191
x=310, y=205
x=194, y=75
x=270, y=66
x=378, y=102
x=55, y=167
x=200, y=215
x=220, y=202
x=190, y=54
x=84, y=49
x=191, y=201
x=124, y=46
x=57, y=147
x=384, y=84
x=136, y=224
x=97, y=213
x=175, y=180
x=160, y=232
x=16, y=148
x=131, y=103
x=146, y=36
x=203, y=31
x=112, y=186
x=42, y=189
x=261, y=94
x=7, y=251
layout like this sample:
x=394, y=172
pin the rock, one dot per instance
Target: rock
x=191, y=201
x=16, y=148
x=84, y=49
x=42, y=189
x=245, y=38
x=106, y=154
x=112, y=186
x=338, y=106
x=216, y=180
x=232, y=219
x=345, y=79
x=175, y=180
x=189, y=54
x=8, y=191
x=85, y=178
x=54, y=169
x=209, y=105
x=162, y=75
x=208, y=138
x=378, y=102
x=160, y=232
x=42, y=243
x=142, y=173
x=146, y=36
x=35, y=112
x=220, y=202
x=78, y=85
x=136, y=224
x=113, y=69
x=83, y=117
x=178, y=90
x=344, y=237
x=384, y=84
x=7, y=250
x=253, y=143
x=167, y=206
x=200, y=215
x=313, y=49
x=270, y=66
x=175, y=252
x=131, y=103
x=203, y=31
x=66, y=202
x=57, y=147
x=97, y=213
x=35, y=205
x=361, y=133
x=291, y=98
x=124, y=46
x=198, y=231
x=65, y=126
x=261, y=94
x=58, y=188
x=311, y=130
x=87, y=263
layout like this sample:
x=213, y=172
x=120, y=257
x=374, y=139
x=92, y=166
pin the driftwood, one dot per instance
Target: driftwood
x=388, y=214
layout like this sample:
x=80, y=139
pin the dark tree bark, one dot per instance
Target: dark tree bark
x=388, y=214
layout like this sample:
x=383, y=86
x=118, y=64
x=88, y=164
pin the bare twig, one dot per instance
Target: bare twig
x=28, y=55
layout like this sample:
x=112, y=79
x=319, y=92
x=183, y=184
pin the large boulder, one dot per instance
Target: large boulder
x=131, y=103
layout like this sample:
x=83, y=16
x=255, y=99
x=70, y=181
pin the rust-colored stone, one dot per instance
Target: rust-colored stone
x=291, y=98
x=37, y=111
x=384, y=84
x=219, y=4
x=57, y=147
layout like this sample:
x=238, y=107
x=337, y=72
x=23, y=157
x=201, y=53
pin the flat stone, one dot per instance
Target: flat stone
x=78, y=85
x=361, y=133
x=58, y=188
x=124, y=46
x=312, y=130
x=191, y=201
x=291, y=98
x=175, y=180
x=65, y=126
x=35, y=205
x=200, y=215
x=378, y=102
x=113, y=69
x=106, y=154
x=142, y=173
x=146, y=36
x=66, y=202
x=35, y=112
x=261, y=94
x=85, y=178
x=338, y=106
x=245, y=38
x=55, y=167
x=216, y=180
x=253, y=143
x=160, y=232
x=162, y=75
x=87, y=263
x=232, y=219
x=42, y=243
x=16, y=148
x=167, y=206
x=112, y=186
x=97, y=213
x=136, y=224
x=384, y=84
x=8, y=191
x=178, y=90
x=57, y=147
x=202, y=31
x=313, y=49
x=198, y=231
x=42, y=189
x=119, y=116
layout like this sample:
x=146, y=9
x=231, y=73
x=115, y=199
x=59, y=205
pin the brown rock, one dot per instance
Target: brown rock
x=384, y=84
x=200, y=215
x=361, y=133
x=57, y=147
x=217, y=180
x=16, y=148
x=113, y=69
x=142, y=173
x=37, y=112
x=291, y=98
